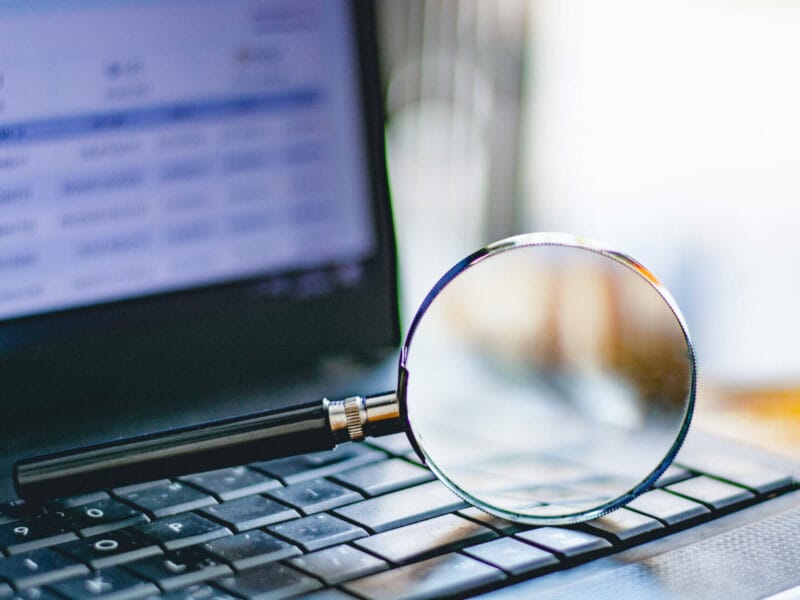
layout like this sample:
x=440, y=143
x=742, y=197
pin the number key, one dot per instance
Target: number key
x=104, y=515
x=15, y=510
x=30, y=534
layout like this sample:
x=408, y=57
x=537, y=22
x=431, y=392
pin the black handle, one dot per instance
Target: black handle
x=270, y=434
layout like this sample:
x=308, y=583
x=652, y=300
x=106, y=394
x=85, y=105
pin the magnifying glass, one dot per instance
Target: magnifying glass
x=546, y=379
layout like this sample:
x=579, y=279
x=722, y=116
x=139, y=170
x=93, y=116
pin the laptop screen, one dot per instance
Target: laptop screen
x=187, y=184
x=150, y=147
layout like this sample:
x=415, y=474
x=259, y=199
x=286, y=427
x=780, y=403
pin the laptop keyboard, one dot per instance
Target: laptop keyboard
x=364, y=521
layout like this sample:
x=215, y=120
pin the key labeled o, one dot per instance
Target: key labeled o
x=106, y=545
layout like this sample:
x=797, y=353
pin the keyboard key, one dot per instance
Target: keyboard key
x=227, y=484
x=182, y=530
x=624, y=524
x=339, y=563
x=666, y=507
x=437, y=535
x=383, y=477
x=713, y=492
x=38, y=532
x=17, y=510
x=179, y=568
x=396, y=443
x=167, y=499
x=34, y=593
x=741, y=471
x=315, y=495
x=250, y=513
x=566, y=542
x=327, y=594
x=451, y=575
x=319, y=464
x=512, y=556
x=197, y=591
x=78, y=500
x=250, y=549
x=414, y=458
x=317, y=531
x=38, y=567
x=475, y=514
x=106, y=583
x=673, y=474
x=99, y=516
x=269, y=581
x=137, y=487
x=111, y=548
x=404, y=507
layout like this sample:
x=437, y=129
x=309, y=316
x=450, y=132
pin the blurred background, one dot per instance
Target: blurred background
x=670, y=130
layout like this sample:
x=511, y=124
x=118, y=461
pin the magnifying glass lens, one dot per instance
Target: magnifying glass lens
x=548, y=380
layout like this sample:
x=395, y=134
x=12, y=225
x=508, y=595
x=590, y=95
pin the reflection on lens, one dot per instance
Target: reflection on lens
x=549, y=380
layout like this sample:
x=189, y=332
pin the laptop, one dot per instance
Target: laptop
x=195, y=224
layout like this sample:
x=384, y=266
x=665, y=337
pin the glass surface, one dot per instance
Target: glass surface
x=548, y=379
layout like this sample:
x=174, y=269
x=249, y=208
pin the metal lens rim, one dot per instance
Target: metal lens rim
x=570, y=241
